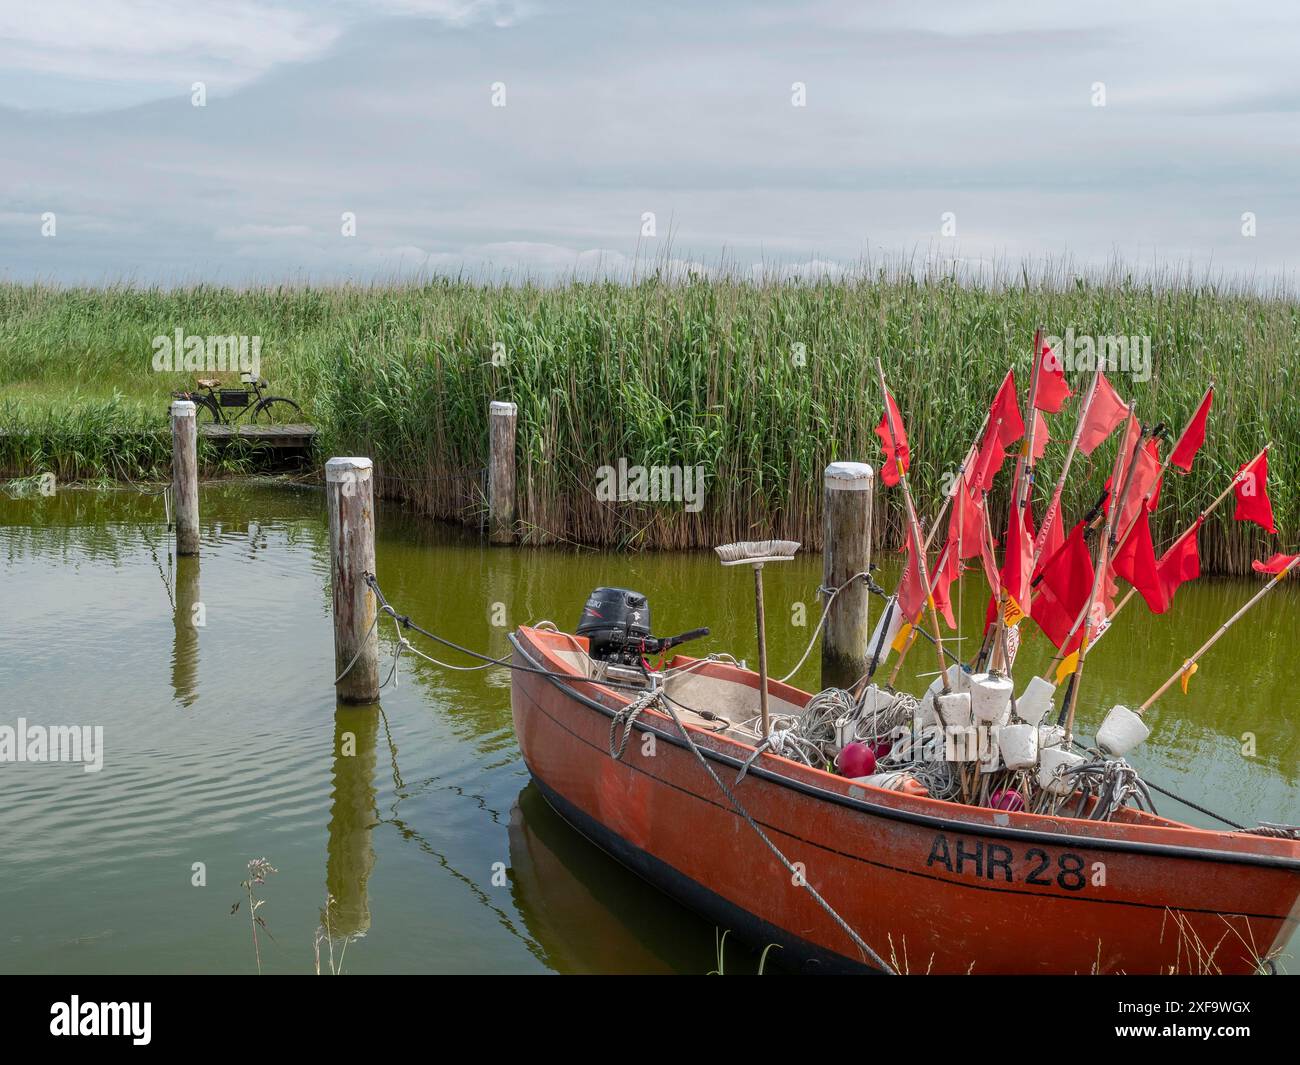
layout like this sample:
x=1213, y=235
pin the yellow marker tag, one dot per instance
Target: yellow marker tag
x=1187, y=675
x=1068, y=665
x=900, y=641
x=1012, y=614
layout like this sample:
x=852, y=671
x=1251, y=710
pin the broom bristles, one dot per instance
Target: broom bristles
x=756, y=549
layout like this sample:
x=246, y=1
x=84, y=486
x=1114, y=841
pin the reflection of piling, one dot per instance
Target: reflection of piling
x=501, y=472
x=353, y=814
x=349, y=493
x=185, y=477
x=846, y=551
x=185, y=640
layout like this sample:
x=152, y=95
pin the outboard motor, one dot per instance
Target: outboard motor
x=616, y=622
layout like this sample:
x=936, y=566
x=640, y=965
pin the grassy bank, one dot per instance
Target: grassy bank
x=761, y=384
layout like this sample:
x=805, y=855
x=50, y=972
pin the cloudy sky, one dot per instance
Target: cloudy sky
x=797, y=137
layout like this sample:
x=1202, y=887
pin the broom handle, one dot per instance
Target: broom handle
x=1277, y=579
x=762, y=646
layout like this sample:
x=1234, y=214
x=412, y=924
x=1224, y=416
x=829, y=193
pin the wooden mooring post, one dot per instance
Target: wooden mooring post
x=846, y=551
x=185, y=477
x=501, y=472
x=349, y=493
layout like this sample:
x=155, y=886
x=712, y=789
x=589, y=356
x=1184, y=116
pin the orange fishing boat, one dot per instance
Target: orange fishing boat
x=930, y=885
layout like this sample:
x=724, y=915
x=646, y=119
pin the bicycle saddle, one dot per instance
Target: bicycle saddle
x=208, y=382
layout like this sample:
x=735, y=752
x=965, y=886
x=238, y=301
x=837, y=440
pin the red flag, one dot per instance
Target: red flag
x=897, y=455
x=1276, y=564
x=1104, y=414
x=989, y=562
x=1253, y=503
x=1136, y=563
x=1050, y=535
x=966, y=519
x=911, y=596
x=1018, y=561
x=1052, y=389
x=1146, y=477
x=1063, y=591
x=946, y=570
x=1005, y=427
x=1193, y=436
x=1004, y=415
x=1041, y=437
x=1180, y=564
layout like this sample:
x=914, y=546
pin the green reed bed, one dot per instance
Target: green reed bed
x=761, y=384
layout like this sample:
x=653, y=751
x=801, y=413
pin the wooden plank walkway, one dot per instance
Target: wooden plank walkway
x=287, y=436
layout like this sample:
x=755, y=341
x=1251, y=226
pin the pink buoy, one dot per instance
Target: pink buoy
x=880, y=748
x=1009, y=800
x=856, y=760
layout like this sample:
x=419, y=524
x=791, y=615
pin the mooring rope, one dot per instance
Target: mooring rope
x=646, y=698
x=799, y=879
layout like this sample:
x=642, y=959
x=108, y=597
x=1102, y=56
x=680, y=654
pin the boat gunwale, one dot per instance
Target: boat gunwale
x=951, y=824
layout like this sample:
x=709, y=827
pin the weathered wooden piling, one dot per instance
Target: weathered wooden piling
x=185, y=477
x=349, y=492
x=846, y=551
x=501, y=472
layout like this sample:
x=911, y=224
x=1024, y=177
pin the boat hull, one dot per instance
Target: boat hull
x=931, y=886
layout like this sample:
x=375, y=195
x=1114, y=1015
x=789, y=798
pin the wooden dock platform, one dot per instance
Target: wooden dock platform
x=285, y=436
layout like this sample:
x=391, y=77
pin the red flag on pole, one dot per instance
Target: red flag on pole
x=897, y=456
x=1253, y=503
x=1193, y=436
x=1004, y=415
x=1063, y=591
x=1052, y=389
x=1105, y=413
x=966, y=518
x=946, y=570
x=1136, y=563
x=1018, y=561
x=1180, y=564
x=1041, y=437
x=911, y=596
x=1276, y=564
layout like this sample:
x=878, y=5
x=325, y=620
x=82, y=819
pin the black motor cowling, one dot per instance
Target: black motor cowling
x=616, y=622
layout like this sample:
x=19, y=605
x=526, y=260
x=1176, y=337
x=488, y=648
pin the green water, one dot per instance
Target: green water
x=220, y=741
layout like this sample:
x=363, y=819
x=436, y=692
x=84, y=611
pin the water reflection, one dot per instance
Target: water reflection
x=188, y=616
x=353, y=816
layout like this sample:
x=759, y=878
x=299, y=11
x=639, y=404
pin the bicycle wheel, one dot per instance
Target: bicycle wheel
x=205, y=410
x=275, y=410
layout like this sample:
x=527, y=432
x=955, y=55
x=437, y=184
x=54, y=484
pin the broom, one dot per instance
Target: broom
x=755, y=553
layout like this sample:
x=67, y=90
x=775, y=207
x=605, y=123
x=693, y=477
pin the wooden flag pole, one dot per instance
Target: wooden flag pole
x=1186, y=666
x=1097, y=575
x=1164, y=466
x=1184, y=534
x=1020, y=492
x=1117, y=504
x=1054, y=508
x=961, y=473
x=923, y=568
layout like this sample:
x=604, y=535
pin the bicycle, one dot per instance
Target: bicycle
x=213, y=406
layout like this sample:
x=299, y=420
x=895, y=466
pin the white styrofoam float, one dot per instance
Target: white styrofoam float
x=990, y=695
x=1121, y=731
x=1019, y=746
x=1052, y=763
x=1033, y=705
